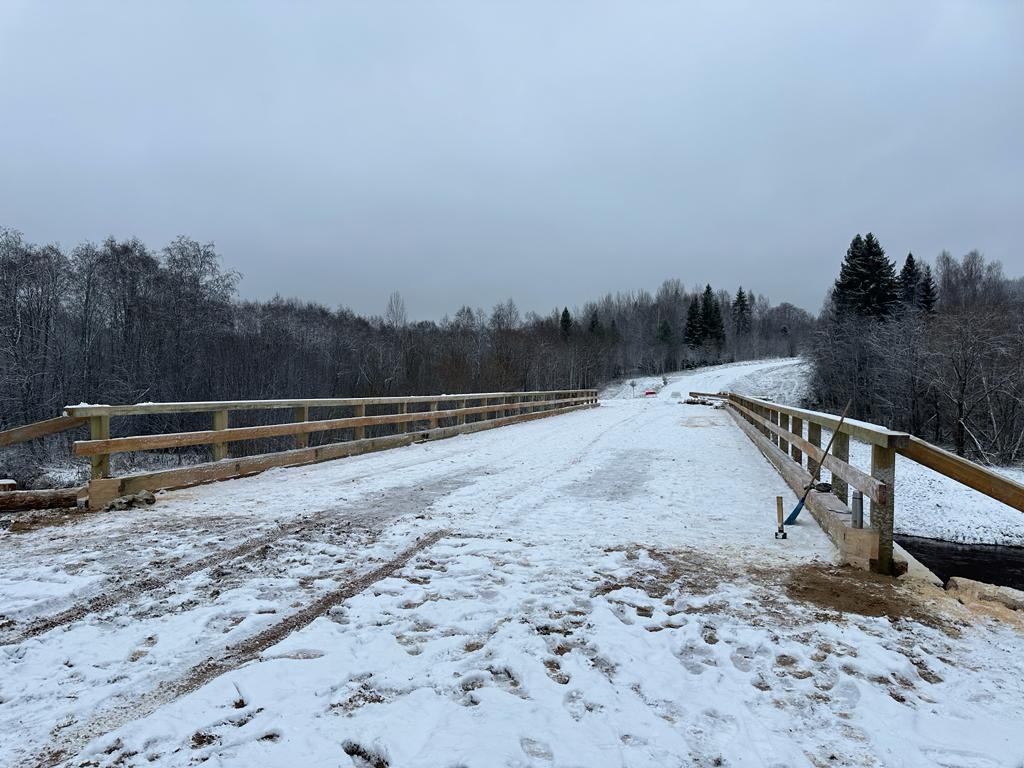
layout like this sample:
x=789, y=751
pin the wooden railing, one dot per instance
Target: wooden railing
x=790, y=437
x=406, y=419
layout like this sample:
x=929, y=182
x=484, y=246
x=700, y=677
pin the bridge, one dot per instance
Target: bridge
x=594, y=586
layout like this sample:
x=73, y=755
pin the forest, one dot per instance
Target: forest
x=119, y=322
x=935, y=352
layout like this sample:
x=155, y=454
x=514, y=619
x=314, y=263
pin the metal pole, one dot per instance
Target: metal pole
x=858, y=510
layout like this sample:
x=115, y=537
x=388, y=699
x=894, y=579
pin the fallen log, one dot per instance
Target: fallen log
x=19, y=501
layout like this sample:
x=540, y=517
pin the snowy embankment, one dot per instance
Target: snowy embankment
x=596, y=589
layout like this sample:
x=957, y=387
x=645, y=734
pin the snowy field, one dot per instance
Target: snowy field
x=596, y=589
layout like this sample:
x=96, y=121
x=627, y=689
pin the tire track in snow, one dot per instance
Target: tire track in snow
x=136, y=584
x=70, y=744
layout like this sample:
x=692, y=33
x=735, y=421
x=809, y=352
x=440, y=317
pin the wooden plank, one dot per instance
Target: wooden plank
x=866, y=484
x=99, y=431
x=796, y=428
x=841, y=450
x=300, y=413
x=358, y=412
x=220, y=423
x=16, y=501
x=883, y=469
x=973, y=475
x=861, y=430
x=206, y=437
x=40, y=429
x=103, y=491
x=330, y=402
x=784, y=426
x=814, y=439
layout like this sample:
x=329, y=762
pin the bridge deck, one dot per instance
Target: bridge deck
x=598, y=589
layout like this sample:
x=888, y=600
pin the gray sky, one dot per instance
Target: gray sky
x=465, y=152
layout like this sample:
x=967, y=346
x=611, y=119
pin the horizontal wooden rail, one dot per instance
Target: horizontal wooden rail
x=40, y=429
x=236, y=434
x=861, y=430
x=103, y=490
x=142, y=409
x=963, y=470
x=862, y=481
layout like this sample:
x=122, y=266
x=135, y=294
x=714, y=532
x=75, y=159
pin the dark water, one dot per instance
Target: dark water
x=982, y=562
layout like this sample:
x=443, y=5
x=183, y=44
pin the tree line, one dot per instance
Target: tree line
x=935, y=352
x=118, y=322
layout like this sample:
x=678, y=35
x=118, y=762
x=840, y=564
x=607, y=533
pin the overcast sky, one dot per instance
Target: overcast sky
x=465, y=152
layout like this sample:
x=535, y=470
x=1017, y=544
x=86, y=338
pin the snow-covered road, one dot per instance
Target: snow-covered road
x=596, y=589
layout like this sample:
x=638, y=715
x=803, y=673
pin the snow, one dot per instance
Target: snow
x=604, y=590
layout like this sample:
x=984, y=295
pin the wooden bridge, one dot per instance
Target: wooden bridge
x=789, y=437
x=559, y=591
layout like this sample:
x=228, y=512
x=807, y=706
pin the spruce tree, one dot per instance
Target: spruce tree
x=665, y=332
x=566, y=323
x=867, y=283
x=595, y=326
x=741, y=313
x=711, y=317
x=693, y=333
x=910, y=281
x=927, y=294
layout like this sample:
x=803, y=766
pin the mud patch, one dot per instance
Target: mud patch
x=850, y=590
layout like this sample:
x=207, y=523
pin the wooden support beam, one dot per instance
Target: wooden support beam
x=814, y=438
x=797, y=428
x=784, y=425
x=359, y=412
x=433, y=415
x=99, y=429
x=841, y=450
x=883, y=469
x=301, y=413
x=220, y=422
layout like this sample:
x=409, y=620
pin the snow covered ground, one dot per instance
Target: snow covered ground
x=596, y=589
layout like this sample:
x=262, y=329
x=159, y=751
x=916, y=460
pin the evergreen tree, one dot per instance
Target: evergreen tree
x=595, y=326
x=711, y=318
x=867, y=283
x=910, y=281
x=741, y=313
x=927, y=294
x=693, y=333
x=566, y=324
x=665, y=332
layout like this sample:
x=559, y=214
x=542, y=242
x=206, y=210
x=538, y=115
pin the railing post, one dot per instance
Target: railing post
x=841, y=450
x=301, y=413
x=358, y=411
x=883, y=469
x=773, y=417
x=784, y=423
x=220, y=421
x=797, y=428
x=462, y=417
x=99, y=429
x=433, y=415
x=814, y=438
